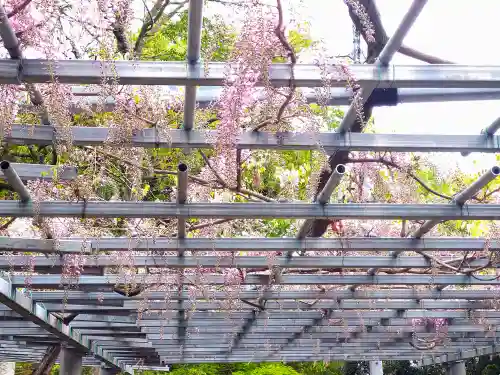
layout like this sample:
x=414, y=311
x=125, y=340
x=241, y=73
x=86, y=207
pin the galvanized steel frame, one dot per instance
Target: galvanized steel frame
x=307, y=324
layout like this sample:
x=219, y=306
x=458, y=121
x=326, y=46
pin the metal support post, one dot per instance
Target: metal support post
x=457, y=368
x=71, y=362
x=14, y=181
x=107, y=371
x=182, y=183
x=376, y=368
x=331, y=184
x=195, y=21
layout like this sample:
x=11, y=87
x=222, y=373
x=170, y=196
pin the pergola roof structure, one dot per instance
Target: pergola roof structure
x=351, y=322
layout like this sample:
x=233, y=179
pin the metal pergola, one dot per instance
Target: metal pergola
x=352, y=322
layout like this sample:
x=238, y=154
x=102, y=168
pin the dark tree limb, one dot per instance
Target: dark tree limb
x=153, y=16
x=19, y=8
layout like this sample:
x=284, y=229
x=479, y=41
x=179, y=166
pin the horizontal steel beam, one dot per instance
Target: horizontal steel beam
x=44, y=172
x=260, y=262
x=95, y=136
x=93, y=245
x=338, y=96
x=304, y=314
x=273, y=305
x=305, y=75
x=73, y=296
x=313, y=357
x=366, y=211
x=54, y=281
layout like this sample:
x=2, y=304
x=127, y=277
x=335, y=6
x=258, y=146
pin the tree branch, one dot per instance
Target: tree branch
x=232, y=188
x=413, y=53
x=20, y=8
x=148, y=23
x=389, y=163
x=173, y=173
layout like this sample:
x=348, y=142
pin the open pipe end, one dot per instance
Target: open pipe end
x=4, y=165
x=182, y=167
x=340, y=169
x=495, y=170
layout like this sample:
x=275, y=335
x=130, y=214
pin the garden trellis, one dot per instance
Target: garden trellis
x=123, y=331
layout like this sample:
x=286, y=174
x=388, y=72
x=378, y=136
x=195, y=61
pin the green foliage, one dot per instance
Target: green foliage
x=272, y=369
x=24, y=368
x=169, y=42
x=491, y=370
x=319, y=368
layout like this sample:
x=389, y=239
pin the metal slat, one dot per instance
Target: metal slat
x=449, y=244
x=366, y=211
x=81, y=296
x=44, y=172
x=176, y=73
x=46, y=263
x=95, y=136
x=53, y=281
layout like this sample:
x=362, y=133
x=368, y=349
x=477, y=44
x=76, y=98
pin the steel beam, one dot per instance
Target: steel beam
x=81, y=297
x=46, y=263
x=35, y=313
x=306, y=75
x=93, y=245
x=45, y=172
x=97, y=136
x=365, y=211
x=338, y=96
x=54, y=281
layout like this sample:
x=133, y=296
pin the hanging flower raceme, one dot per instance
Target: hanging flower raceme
x=255, y=48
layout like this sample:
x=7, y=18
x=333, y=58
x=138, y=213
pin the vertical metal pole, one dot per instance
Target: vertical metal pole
x=195, y=22
x=457, y=368
x=107, y=371
x=71, y=362
x=182, y=183
x=376, y=368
